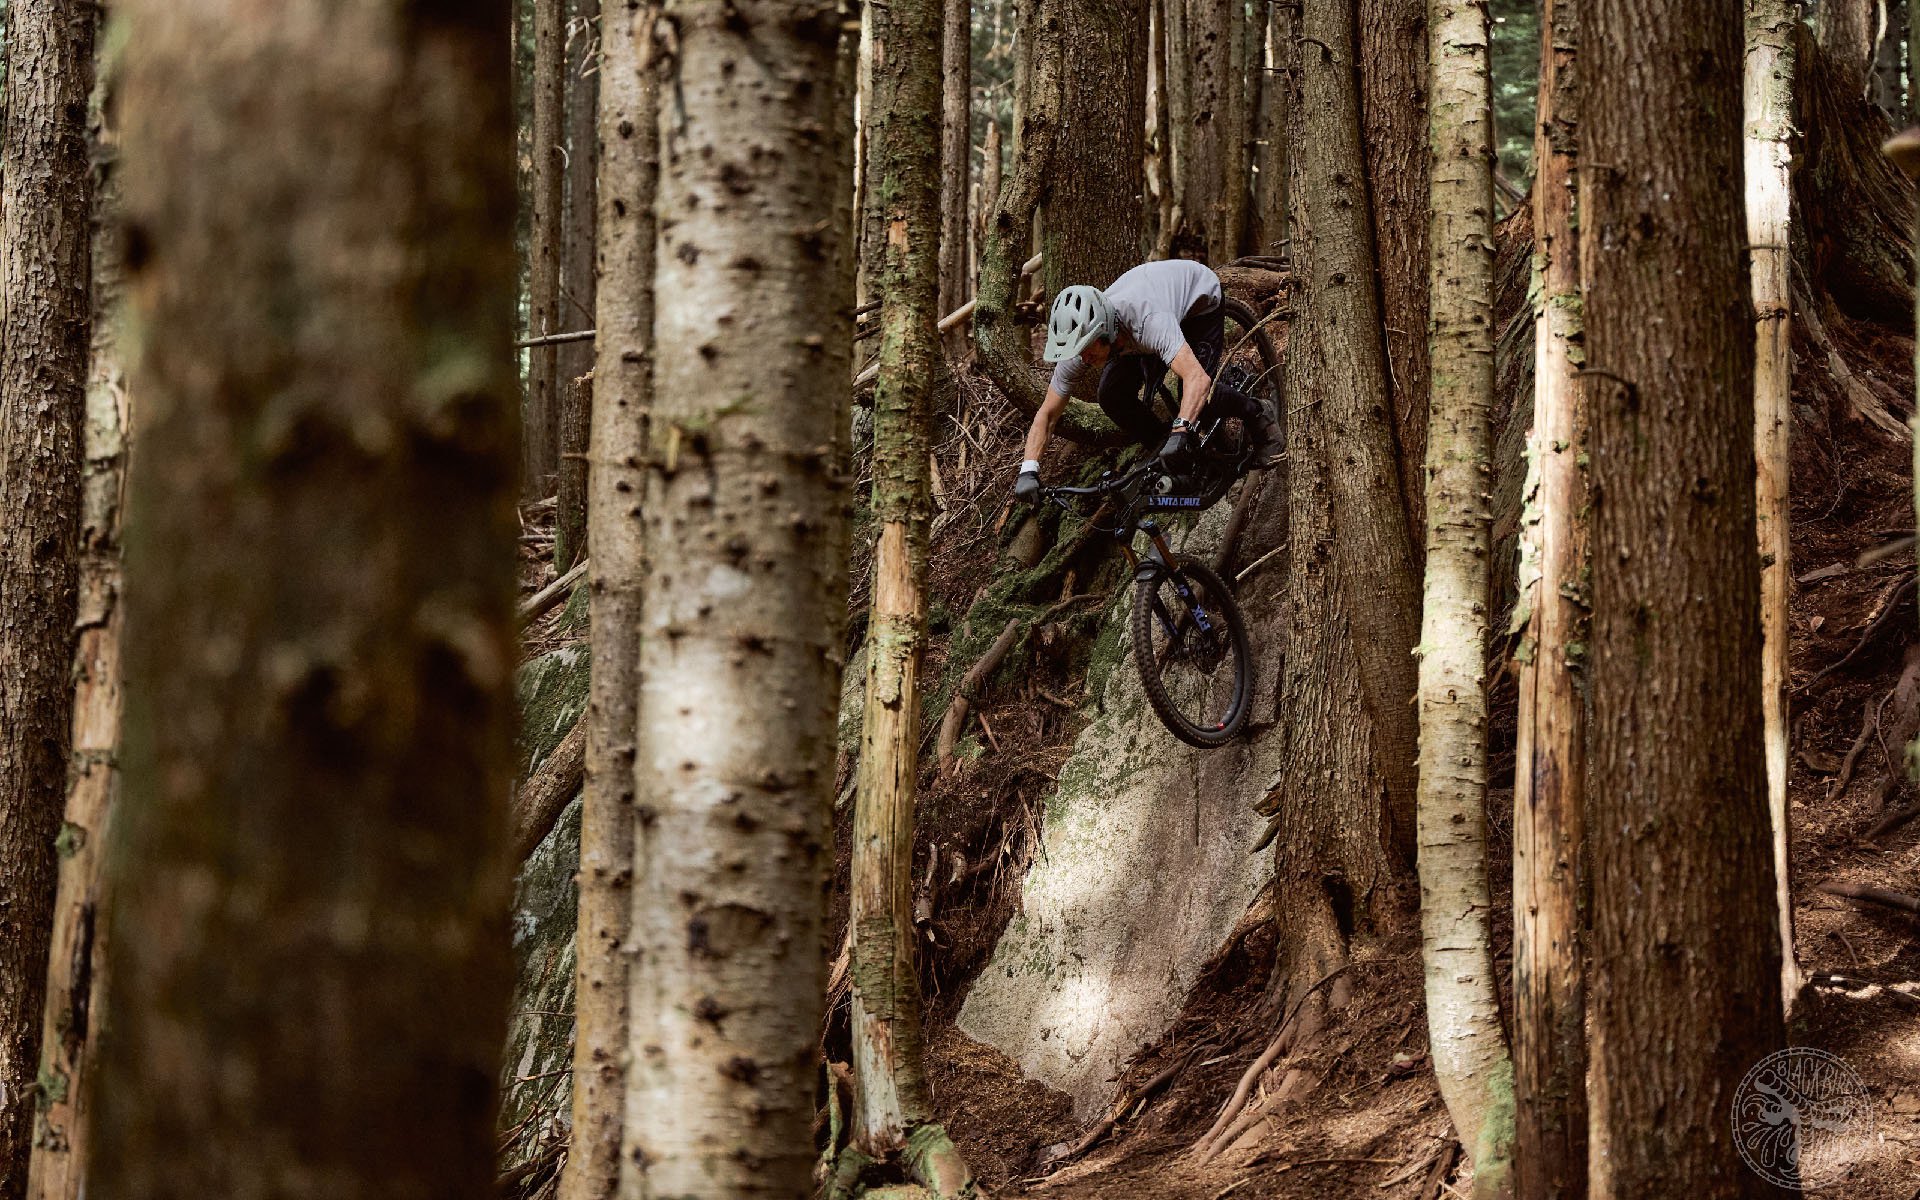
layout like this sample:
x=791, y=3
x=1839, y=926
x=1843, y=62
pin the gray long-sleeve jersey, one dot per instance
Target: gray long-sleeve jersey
x=1149, y=302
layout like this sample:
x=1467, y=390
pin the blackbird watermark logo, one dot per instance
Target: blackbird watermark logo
x=1795, y=1113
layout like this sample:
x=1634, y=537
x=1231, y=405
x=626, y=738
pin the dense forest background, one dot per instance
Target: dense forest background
x=522, y=671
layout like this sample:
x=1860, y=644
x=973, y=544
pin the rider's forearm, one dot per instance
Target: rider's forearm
x=1041, y=429
x=1195, y=384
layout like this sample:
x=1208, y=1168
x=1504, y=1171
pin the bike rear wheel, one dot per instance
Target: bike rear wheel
x=1190, y=643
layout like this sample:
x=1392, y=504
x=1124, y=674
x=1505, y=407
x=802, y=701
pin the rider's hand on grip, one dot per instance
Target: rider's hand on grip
x=1026, y=488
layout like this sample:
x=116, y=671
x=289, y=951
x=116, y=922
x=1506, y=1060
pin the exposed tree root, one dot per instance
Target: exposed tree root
x=1882, y=618
x=1885, y=897
x=548, y=791
x=1124, y=1103
x=1892, y=821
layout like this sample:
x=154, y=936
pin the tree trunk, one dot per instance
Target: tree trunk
x=893, y=1106
x=1333, y=871
x=745, y=580
x=74, y=967
x=623, y=380
x=310, y=919
x=1209, y=58
x=1179, y=85
x=1270, y=140
x=1243, y=72
x=1913, y=57
x=1159, y=179
x=1371, y=541
x=989, y=196
x=1770, y=26
x=576, y=305
x=1550, y=754
x=45, y=321
x=1469, y=1044
x=578, y=270
x=1091, y=206
x=1677, y=810
x=1888, y=65
x=1393, y=114
x=956, y=161
x=546, y=245
x=1849, y=30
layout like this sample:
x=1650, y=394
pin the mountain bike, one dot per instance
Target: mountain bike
x=1189, y=638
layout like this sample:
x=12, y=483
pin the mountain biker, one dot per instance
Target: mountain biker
x=1156, y=316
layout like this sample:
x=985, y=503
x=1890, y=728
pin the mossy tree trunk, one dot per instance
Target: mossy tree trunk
x=1768, y=104
x=45, y=321
x=893, y=1107
x=546, y=243
x=1686, y=952
x=745, y=585
x=1092, y=203
x=1550, y=754
x=629, y=169
x=1371, y=542
x=311, y=894
x=1469, y=1044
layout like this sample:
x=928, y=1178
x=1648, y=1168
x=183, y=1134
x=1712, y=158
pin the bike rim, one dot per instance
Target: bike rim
x=1195, y=655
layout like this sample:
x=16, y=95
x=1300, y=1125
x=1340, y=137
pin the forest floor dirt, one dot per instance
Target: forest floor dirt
x=1363, y=1115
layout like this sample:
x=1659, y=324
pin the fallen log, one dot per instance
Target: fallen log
x=548, y=791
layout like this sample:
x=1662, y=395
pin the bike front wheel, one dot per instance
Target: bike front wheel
x=1191, y=645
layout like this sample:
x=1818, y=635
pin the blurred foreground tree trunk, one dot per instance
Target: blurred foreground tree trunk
x=745, y=585
x=45, y=324
x=310, y=920
x=1686, y=949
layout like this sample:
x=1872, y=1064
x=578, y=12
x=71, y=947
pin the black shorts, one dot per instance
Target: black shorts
x=1129, y=383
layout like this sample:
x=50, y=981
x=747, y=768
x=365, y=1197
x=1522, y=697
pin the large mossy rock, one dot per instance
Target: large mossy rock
x=536, y=1081
x=1146, y=870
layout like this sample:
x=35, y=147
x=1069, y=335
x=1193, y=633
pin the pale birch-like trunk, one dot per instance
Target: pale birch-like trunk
x=1768, y=90
x=1550, y=753
x=1469, y=1045
x=745, y=585
x=76, y=975
x=623, y=384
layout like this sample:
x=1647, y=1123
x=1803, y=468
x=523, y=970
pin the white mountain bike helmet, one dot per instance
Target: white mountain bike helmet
x=1080, y=315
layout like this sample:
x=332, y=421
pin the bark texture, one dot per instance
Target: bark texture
x=746, y=591
x=1211, y=84
x=547, y=244
x=577, y=283
x=75, y=964
x=1768, y=106
x=1269, y=220
x=1371, y=542
x=1469, y=1044
x=1393, y=116
x=1686, y=956
x=1091, y=209
x=310, y=894
x=1849, y=29
x=893, y=1104
x=623, y=383
x=956, y=159
x=45, y=318
x=1550, y=753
